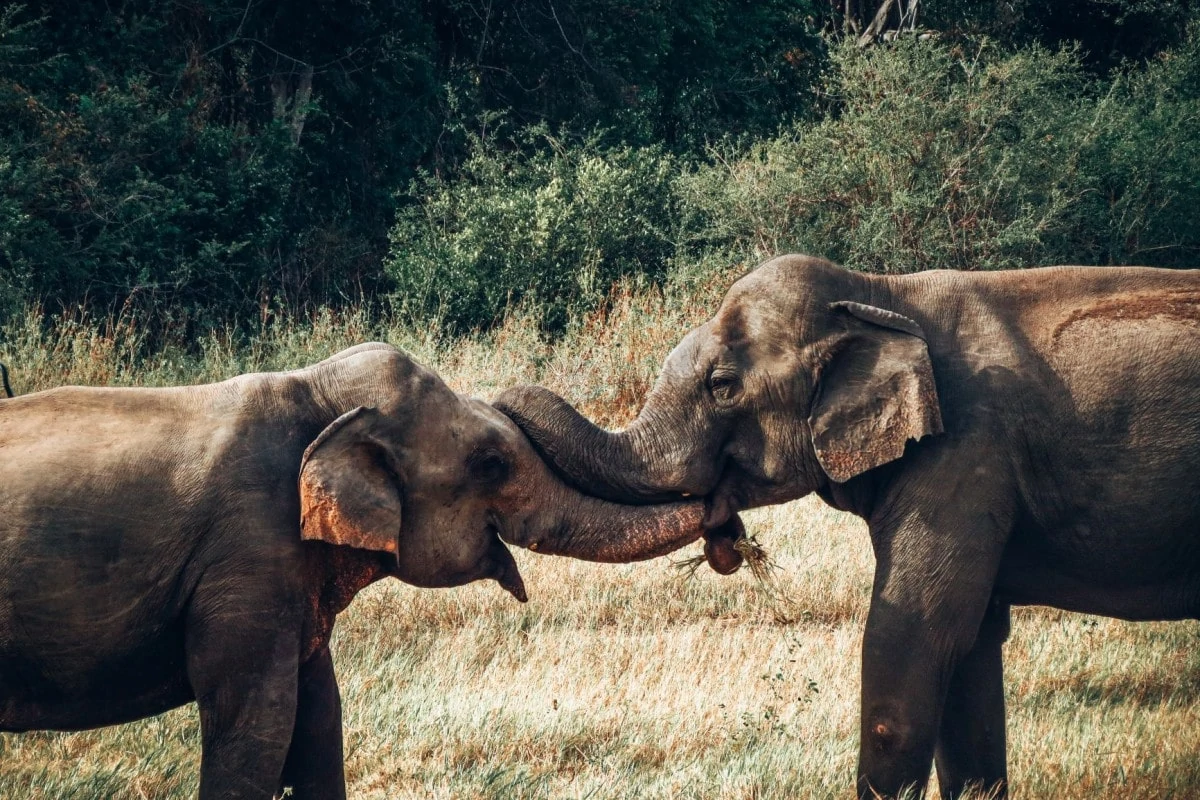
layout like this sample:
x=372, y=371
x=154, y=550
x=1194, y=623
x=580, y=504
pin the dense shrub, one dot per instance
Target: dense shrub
x=1107, y=32
x=124, y=196
x=203, y=157
x=932, y=155
x=557, y=223
x=674, y=72
x=934, y=158
x=938, y=156
x=209, y=157
x=1140, y=151
x=209, y=160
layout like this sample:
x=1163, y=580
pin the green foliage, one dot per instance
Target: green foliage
x=1141, y=150
x=533, y=217
x=676, y=72
x=203, y=157
x=197, y=163
x=121, y=193
x=209, y=157
x=934, y=159
x=933, y=154
x=942, y=157
x=1106, y=31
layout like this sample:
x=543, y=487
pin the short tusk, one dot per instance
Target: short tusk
x=687, y=494
x=533, y=545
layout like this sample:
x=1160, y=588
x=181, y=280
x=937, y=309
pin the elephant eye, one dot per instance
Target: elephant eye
x=488, y=466
x=724, y=385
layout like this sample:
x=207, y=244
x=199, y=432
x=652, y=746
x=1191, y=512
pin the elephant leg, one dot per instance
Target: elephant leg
x=932, y=588
x=314, y=766
x=971, y=743
x=243, y=671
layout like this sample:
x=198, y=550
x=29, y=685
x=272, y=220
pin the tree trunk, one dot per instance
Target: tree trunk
x=876, y=26
x=291, y=105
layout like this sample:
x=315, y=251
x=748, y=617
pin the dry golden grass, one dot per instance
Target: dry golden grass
x=626, y=681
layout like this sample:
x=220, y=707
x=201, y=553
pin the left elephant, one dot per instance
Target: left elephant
x=159, y=546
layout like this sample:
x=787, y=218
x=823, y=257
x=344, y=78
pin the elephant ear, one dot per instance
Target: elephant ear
x=876, y=393
x=350, y=486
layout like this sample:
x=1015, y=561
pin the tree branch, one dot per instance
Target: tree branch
x=877, y=24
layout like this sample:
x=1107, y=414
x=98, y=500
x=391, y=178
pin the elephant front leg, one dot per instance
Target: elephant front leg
x=971, y=748
x=902, y=696
x=243, y=657
x=247, y=705
x=932, y=587
x=314, y=767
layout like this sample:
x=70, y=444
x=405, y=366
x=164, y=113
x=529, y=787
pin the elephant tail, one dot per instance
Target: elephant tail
x=4, y=377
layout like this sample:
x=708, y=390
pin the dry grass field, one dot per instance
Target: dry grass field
x=629, y=681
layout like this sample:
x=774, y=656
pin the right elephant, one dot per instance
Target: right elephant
x=1023, y=437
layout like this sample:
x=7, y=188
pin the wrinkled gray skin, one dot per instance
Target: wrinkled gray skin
x=1026, y=437
x=159, y=546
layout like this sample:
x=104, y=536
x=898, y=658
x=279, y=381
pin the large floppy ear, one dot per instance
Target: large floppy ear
x=350, y=486
x=876, y=393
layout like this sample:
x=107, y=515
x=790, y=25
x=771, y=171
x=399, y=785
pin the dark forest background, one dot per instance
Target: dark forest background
x=203, y=162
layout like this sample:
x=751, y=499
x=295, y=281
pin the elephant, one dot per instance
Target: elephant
x=163, y=546
x=8, y=392
x=1010, y=438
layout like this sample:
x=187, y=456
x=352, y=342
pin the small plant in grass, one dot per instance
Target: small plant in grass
x=785, y=691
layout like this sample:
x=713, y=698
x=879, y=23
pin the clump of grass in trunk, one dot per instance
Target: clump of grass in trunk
x=762, y=569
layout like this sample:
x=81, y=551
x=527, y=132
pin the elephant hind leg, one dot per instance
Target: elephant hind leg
x=971, y=741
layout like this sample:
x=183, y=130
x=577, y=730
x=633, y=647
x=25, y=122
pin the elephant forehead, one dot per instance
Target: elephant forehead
x=492, y=430
x=753, y=328
x=493, y=427
x=788, y=290
x=689, y=356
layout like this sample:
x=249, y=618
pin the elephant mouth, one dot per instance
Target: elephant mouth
x=737, y=490
x=501, y=566
x=723, y=502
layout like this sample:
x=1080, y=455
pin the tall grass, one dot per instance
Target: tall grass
x=616, y=681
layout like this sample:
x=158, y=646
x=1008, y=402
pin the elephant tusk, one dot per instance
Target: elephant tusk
x=533, y=545
x=687, y=494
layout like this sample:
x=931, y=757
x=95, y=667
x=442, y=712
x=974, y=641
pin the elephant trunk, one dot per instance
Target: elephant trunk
x=629, y=466
x=595, y=530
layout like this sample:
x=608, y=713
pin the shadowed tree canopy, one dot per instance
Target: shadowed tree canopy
x=218, y=153
x=211, y=159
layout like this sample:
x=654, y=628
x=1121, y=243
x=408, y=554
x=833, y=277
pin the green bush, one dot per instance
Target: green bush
x=932, y=154
x=533, y=219
x=1107, y=32
x=933, y=158
x=1141, y=153
x=940, y=156
x=124, y=196
x=210, y=157
x=200, y=163
x=164, y=155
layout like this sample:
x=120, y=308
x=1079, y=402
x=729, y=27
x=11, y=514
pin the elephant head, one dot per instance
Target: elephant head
x=802, y=378
x=437, y=481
